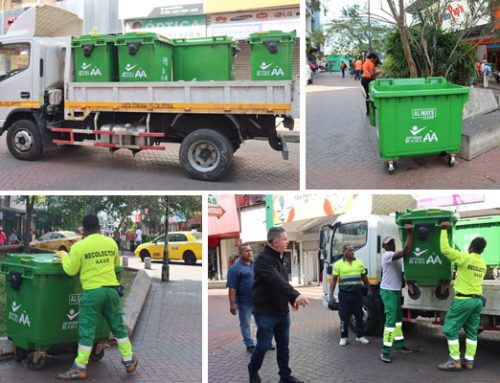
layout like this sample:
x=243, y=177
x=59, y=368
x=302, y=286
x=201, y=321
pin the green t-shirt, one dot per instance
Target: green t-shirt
x=471, y=268
x=95, y=257
x=349, y=274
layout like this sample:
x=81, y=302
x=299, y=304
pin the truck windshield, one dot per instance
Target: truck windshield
x=14, y=58
x=353, y=233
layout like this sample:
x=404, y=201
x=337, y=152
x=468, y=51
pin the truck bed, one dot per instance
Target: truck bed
x=227, y=97
x=429, y=302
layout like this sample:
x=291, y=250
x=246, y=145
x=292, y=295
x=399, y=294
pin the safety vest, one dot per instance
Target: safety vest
x=349, y=274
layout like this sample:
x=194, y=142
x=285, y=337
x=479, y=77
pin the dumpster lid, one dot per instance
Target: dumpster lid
x=426, y=214
x=205, y=41
x=412, y=87
x=45, y=263
x=90, y=38
x=143, y=37
x=257, y=37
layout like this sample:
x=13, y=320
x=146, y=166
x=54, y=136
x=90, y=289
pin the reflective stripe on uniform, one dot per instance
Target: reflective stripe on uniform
x=84, y=348
x=471, y=342
x=123, y=340
x=469, y=357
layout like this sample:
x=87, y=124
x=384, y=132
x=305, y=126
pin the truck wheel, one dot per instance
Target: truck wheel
x=144, y=254
x=24, y=140
x=370, y=318
x=189, y=258
x=206, y=154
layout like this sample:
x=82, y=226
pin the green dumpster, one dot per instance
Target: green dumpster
x=204, y=59
x=418, y=116
x=487, y=227
x=43, y=306
x=144, y=56
x=95, y=58
x=425, y=266
x=271, y=55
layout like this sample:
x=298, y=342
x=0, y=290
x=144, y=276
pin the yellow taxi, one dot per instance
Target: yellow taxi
x=182, y=245
x=56, y=240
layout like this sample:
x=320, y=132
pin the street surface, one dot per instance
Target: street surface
x=342, y=148
x=255, y=167
x=167, y=338
x=315, y=355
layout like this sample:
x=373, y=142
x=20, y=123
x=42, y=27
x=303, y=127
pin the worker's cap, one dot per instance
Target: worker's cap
x=387, y=239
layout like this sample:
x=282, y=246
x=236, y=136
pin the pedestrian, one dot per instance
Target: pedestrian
x=95, y=258
x=486, y=71
x=117, y=237
x=390, y=292
x=239, y=283
x=358, y=67
x=138, y=236
x=342, y=68
x=468, y=302
x=3, y=237
x=369, y=74
x=13, y=238
x=350, y=273
x=271, y=295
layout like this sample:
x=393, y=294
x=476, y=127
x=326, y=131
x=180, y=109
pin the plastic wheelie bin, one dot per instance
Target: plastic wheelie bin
x=144, y=56
x=418, y=116
x=271, y=55
x=487, y=227
x=426, y=266
x=204, y=59
x=95, y=58
x=43, y=307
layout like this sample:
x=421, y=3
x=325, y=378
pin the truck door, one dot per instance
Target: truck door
x=325, y=259
x=16, y=78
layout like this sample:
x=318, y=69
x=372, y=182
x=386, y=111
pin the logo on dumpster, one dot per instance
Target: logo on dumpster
x=418, y=260
x=419, y=252
x=15, y=307
x=72, y=324
x=266, y=69
x=87, y=70
x=74, y=299
x=419, y=135
x=424, y=114
x=130, y=72
x=434, y=259
x=72, y=314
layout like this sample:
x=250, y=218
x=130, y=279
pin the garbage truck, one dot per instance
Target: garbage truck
x=431, y=298
x=43, y=106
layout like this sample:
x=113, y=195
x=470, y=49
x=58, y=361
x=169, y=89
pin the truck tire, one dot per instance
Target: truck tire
x=206, y=154
x=371, y=318
x=24, y=140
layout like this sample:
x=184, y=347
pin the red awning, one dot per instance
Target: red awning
x=224, y=222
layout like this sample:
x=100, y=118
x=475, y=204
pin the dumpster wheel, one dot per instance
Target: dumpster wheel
x=452, y=160
x=20, y=354
x=390, y=166
x=97, y=352
x=36, y=360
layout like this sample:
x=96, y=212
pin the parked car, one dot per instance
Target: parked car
x=182, y=245
x=56, y=240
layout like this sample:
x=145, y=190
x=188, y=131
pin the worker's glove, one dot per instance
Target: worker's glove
x=61, y=254
x=484, y=300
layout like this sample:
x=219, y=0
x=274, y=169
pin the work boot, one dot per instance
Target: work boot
x=290, y=379
x=131, y=365
x=451, y=365
x=250, y=348
x=343, y=341
x=385, y=357
x=403, y=350
x=255, y=378
x=467, y=364
x=74, y=373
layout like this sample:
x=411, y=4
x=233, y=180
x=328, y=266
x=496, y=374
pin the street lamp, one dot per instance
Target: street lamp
x=165, y=269
x=369, y=29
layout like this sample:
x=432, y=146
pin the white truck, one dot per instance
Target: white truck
x=365, y=233
x=42, y=107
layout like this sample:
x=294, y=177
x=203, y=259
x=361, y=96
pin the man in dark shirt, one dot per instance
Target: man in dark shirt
x=239, y=283
x=271, y=295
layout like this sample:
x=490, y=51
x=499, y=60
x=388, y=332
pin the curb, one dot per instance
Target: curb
x=131, y=309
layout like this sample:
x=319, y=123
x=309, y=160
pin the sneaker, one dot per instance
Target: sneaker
x=75, y=373
x=255, y=378
x=403, y=350
x=343, y=341
x=451, y=365
x=362, y=340
x=250, y=348
x=385, y=357
x=131, y=365
x=467, y=364
x=290, y=379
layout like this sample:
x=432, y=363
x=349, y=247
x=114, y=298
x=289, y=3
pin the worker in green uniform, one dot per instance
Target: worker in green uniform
x=95, y=258
x=468, y=302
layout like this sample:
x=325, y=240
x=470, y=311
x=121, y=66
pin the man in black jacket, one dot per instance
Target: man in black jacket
x=271, y=295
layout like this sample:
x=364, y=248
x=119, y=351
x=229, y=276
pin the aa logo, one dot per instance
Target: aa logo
x=95, y=72
x=141, y=73
x=277, y=72
x=434, y=260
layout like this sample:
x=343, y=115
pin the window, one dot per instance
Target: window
x=354, y=234
x=14, y=58
x=177, y=238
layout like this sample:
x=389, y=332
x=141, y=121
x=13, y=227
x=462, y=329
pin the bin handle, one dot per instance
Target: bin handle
x=88, y=49
x=133, y=48
x=272, y=46
x=15, y=279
